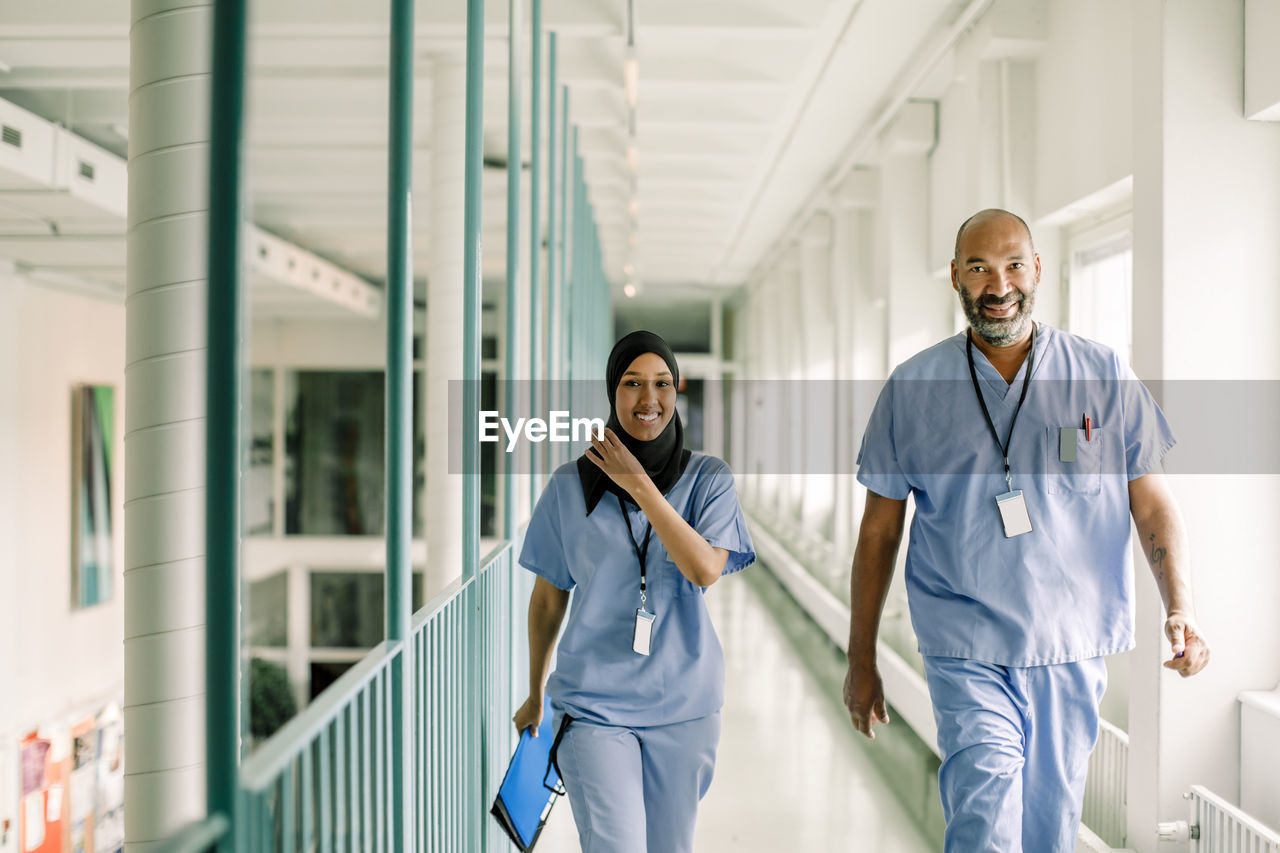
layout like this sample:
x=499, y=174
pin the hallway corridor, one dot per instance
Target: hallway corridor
x=790, y=775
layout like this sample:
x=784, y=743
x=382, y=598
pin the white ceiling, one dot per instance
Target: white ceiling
x=744, y=107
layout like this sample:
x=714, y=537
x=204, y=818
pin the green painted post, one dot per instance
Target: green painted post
x=472, y=791
x=555, y=201
x=399, y=394
x=535, y=248
x=562, y=234
x=513, y=252
x=222, y=449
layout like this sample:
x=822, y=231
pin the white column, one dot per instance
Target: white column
x=920, y=306
x=787, y=448
x=746, y=423
x=773, y=335
x=851, y=303
x=164, y=714
x=443, y=504
x=817, y=388
x=298, y=630
x=868, y=318
x=713, y=401
x=1188, y=61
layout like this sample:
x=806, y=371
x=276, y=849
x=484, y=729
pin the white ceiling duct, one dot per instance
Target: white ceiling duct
x=62, y=197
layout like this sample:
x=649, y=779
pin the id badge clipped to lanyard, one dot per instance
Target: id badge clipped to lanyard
x=1012, y=504
x=642, y=635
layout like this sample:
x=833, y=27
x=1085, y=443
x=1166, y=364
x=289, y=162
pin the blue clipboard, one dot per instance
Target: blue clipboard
x=530, y=786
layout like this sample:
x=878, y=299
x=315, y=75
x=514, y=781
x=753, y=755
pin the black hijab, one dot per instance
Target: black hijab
x=663, y=458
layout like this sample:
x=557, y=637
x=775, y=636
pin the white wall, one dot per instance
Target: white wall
x=1084, y=102
x=1206, y=211
x=54, y=662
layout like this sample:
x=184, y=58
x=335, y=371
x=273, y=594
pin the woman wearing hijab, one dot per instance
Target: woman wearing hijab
x=639, y=527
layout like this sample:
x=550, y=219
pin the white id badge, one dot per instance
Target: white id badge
x=1013, y=512
x=643, y=633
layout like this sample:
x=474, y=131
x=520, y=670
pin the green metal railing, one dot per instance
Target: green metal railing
x=324, y=781
x=405, y=749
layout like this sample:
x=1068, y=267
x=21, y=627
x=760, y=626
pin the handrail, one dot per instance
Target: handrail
x=494, y=553
x=261, y=769
x=438, y=602
x=444, y=596
x=198, y=836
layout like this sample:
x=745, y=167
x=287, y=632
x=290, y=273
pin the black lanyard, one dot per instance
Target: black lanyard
x=1026, y=383
x=641, y=553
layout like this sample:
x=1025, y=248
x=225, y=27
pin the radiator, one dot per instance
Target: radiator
x=1219, y=827
x=1106, y=788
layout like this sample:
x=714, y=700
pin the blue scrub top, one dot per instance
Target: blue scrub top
x=1062, y=592
x=598, y=676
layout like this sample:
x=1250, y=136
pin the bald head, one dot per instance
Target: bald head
x=983, y=217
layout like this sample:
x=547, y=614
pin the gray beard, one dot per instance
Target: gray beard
x=998, y=332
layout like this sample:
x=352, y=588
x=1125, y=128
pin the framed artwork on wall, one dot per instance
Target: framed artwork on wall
x=92, y=471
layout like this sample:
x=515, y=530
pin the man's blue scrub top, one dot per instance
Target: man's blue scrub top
x=1062, y=592
x=598, y=676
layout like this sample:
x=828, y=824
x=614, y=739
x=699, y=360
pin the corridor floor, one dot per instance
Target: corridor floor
x=789, y=776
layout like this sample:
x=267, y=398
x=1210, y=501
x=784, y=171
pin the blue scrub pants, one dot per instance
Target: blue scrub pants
x=1015, y=745
x=636, y=790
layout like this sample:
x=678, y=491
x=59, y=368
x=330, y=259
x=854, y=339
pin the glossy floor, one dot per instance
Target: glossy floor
x=789, y=775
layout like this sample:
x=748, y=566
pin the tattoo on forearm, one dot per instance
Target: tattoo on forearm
x=1157, y=557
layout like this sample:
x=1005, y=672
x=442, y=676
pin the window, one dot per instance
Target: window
x=334, y=478
x=259, y=486
x=1101, y=289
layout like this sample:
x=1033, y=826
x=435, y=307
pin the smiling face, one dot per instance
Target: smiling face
x=645, y=399
x=996, y=271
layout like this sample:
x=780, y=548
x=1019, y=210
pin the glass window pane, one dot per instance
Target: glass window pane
x=334, y=451
x=268, y=612
x=324, y=673
x=346, y=609
x=259, y=486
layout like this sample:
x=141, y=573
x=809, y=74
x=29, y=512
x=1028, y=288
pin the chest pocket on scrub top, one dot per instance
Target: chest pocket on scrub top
x=1081, y=477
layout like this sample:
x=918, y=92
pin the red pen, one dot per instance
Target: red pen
x=1088, y=429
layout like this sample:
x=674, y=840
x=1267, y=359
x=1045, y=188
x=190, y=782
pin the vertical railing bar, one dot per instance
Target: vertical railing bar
x=439, y=721
x=454, y=736
x=378, y=722
x=421, y=783
x=366, y=763
x=564, y=369
x=222, y=401
x=430, y=751
x=554, y=202
x=341, y=827
x=287, y=808
x=325, y=829
x=535, y=241
x=472, y=287
x=515, y=35
x=307, y=791
x=399, y=454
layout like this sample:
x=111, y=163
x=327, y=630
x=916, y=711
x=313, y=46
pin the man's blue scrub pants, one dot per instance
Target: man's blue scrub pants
x=1015, y=745
x=636, y=789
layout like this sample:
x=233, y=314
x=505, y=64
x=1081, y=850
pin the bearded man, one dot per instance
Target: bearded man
x=1027, y=450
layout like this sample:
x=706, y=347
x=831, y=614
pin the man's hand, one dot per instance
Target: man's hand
x=1190, y=650
x=864, y=697
x=529, y=716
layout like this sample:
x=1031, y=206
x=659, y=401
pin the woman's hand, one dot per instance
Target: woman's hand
x=611, y=456
x=529, y=716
